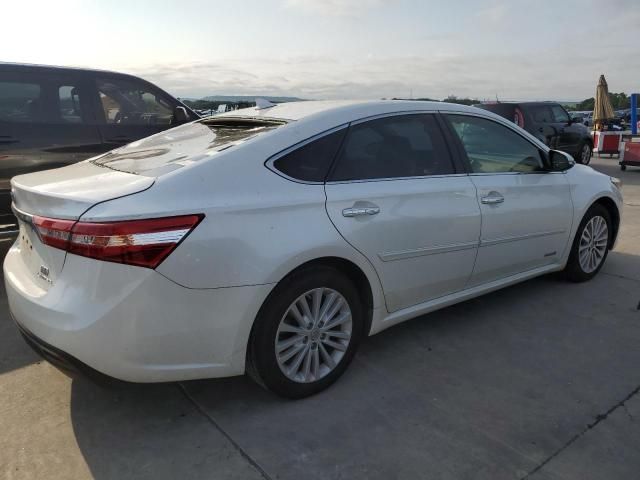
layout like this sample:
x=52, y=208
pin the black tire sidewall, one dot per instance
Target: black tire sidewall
x=262, y=342
x=573, y=269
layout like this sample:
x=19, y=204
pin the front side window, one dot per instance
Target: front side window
x=494, y=148
x=541, y=114
x=128, y=103
x=21, y=102
x=559, y=114
x=69, y=107
x=311, y=162
x=393, y=147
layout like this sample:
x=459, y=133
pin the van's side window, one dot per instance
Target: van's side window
x=21, y=102
x=69, y=107
x=129, y=103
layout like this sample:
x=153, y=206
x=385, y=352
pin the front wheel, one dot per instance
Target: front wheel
x=590, y=245
x=306, y=333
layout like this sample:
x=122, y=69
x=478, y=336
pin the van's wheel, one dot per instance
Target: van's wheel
x=306, y=333
x=590, y=245
x=623, y=167
x=584, y=154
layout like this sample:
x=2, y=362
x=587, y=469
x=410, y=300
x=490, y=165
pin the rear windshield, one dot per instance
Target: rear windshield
x=161, y=154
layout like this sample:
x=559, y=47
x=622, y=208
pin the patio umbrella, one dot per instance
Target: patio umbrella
x=603, y=110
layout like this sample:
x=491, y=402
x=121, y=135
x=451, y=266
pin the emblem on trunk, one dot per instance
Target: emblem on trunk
x=44, y=273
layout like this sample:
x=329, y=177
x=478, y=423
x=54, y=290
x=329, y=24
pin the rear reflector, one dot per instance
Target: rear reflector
x=145, y=243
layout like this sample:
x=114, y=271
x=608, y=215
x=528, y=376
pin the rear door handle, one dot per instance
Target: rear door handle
x=360, y=211
x=492, y=199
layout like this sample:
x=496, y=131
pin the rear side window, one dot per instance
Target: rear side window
x=130, y=103
x=393, y=147
x=21, y=102
x=311, y=162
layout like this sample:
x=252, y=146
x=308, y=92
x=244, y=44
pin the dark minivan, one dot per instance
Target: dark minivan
x=54, y=116
x=549, y=122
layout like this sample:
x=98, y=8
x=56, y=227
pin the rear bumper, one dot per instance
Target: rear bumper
x=64, y=362
x=131, y=323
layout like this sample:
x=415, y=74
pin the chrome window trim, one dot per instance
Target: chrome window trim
x=389, y=179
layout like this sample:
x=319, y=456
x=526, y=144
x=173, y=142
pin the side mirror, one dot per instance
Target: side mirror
x=180, y=115
x=560, y=161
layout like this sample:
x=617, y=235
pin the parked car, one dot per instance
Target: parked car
x=272, y=240
x=550, y=123
x=54, y=116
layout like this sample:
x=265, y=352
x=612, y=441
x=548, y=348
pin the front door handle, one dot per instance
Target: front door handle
x=360, y=211
x=492, y=199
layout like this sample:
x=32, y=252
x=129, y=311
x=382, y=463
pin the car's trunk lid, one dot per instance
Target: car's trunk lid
x=64, y=193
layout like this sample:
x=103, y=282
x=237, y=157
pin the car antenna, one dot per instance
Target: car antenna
x=262, y=103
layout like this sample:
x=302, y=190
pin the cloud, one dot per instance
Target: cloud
x=338, y=8
x=545, y=74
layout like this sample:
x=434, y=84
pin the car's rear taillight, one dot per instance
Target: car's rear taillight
x=145, y=243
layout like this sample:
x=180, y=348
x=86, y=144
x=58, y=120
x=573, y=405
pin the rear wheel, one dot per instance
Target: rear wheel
x=584, y=154
x=590, y=246
x=306, y=333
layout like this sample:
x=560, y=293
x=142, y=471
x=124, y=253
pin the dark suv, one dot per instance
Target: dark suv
x=53, y=116
x=549, y=122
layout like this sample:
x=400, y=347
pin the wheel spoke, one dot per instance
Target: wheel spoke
x=292, y=351
x=328, y=302
x=339, y=334
x=295, y=365
x=336, y=345
x=286, y=327
x=304, y=305
x=306, y=368
x=295, y=313
x=315, y=364
x=317, y=301
x=339, y=320
x=284, y=344
x=328, y=359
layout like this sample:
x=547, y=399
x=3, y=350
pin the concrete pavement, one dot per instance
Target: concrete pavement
x=536, y=381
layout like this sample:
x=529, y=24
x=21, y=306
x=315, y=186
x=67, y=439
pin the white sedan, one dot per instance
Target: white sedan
x=271, y=240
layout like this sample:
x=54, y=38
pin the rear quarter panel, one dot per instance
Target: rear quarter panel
x=258, y=226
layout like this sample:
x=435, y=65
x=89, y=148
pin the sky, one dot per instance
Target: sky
x=328, y=49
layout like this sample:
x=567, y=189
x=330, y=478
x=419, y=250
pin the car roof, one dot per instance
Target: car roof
x=342, y=110
x=24, y=67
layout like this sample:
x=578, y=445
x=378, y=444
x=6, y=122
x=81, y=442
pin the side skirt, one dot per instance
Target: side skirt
x=382, y=323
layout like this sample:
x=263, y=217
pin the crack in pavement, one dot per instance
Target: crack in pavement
x=599, y=418
x=620, y=276
x=213, y=422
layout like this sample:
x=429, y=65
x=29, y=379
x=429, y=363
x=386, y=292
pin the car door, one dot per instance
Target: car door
x=526, y=211
x=130, y=109
x=46, y=121
x=570, y=133
x=395, y=195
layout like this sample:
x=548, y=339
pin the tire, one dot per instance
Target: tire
x=581, y=271
x=623, y=167
x=276, y=320
x=584, y=153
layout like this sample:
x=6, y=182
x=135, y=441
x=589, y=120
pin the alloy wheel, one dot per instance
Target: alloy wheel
x=313, y=335
x=593, y=244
